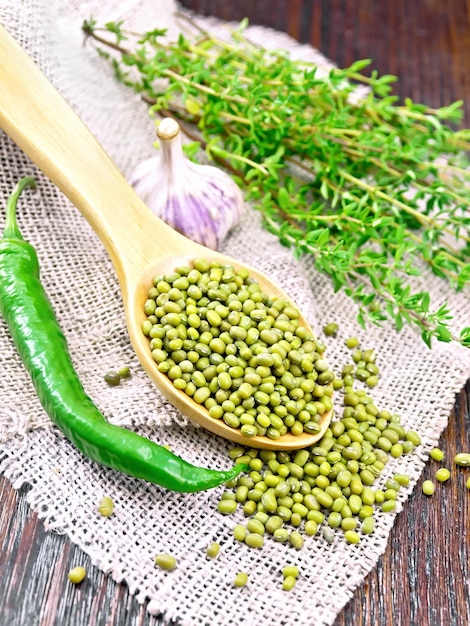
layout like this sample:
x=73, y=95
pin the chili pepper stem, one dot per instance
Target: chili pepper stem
x=11, y=230
x=43, y=349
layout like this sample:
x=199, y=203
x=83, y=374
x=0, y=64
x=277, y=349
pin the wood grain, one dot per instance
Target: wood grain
x=423, y=577
x=33, y=570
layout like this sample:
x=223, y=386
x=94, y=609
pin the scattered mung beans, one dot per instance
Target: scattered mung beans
x=237, y=351
x=165, y=561
x=76, y=575
x=289, y=495
x=330, y=487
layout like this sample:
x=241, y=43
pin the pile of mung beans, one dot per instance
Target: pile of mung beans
x=331, y=485
x=245, y=357
x=237, y=351
x=114, y=377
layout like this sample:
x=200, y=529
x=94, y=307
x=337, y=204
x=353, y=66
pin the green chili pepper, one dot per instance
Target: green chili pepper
x=43, y=349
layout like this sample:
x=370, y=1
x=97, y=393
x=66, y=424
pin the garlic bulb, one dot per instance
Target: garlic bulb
x=200, y=201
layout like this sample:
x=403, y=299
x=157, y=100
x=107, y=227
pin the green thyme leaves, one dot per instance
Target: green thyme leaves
x=373, y=190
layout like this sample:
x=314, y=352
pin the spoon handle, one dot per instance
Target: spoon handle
x=45, y=127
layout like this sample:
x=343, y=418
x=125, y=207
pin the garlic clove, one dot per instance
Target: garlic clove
x=200, y=201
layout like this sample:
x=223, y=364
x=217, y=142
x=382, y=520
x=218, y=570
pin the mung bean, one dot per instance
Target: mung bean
x=255, y=526
x=290, y=570
x=388, y=505
x=436, y=454
x=281, y=535
x=227, y=507
x=402, y=479
x=442, y=474
x=239, y=532
x=213, y=550
x=328, y=534
x=334, y=519
x=379, y=496
x=413, y=437
x=124, y=371
x=112, y=378
x=296, y=540
x=240, y=580
x=348, y=523
x=390, y=494
x=352, y=536
x=166, y=562
x=76, y=575
x=366, y=511
x=106, y=506
x=288, y=583
x=368, y=525
x=254, y=540
x=462, y=459
x=330, y=329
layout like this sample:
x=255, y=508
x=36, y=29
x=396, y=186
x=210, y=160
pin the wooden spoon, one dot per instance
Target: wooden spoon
x=140, y=245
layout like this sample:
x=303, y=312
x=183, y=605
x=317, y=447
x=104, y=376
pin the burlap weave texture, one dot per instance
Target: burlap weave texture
x=417, y=383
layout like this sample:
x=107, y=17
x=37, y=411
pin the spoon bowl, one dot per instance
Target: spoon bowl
x=139, y=244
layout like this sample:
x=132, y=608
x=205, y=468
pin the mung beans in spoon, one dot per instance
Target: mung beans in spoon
x=237, y=351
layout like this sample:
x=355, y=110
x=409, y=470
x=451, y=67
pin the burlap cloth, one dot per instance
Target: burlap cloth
x=417, y=383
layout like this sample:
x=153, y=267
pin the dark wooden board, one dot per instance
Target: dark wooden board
x=425, y=43
x=423, y=578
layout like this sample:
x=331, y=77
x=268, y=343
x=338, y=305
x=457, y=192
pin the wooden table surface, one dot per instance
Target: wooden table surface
x=423, y=578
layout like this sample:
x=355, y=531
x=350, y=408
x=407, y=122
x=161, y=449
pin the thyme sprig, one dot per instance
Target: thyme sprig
x=372, y=189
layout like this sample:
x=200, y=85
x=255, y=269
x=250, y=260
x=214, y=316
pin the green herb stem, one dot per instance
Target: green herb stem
x=328, y=167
